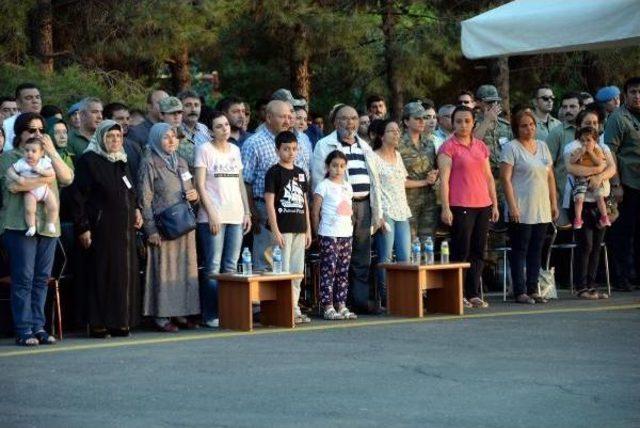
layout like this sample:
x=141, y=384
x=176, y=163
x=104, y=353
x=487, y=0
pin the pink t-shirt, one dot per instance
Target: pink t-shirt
x=467, y=182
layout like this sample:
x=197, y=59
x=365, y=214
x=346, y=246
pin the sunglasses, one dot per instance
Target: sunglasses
x=547, y=99
x=34, y=130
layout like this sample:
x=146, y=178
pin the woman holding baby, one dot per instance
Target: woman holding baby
x=31, y=251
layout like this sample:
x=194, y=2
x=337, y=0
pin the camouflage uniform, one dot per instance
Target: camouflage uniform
x=419, y=161
x=187, y=151
x=494, y=138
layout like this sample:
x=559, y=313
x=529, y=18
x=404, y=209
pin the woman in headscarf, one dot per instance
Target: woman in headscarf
x=59, y=133
x=171, y=285
x=105, y=217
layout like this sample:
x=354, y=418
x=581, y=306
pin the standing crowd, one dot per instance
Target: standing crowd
x=186, y=187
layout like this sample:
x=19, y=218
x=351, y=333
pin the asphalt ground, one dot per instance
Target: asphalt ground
x=570, y=363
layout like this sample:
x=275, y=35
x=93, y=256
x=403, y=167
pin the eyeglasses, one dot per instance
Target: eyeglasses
x=34, y=130
x=547, y=99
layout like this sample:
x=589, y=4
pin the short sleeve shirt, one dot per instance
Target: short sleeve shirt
x=468, y=185
x=529, y=180
x=222, y=182
x=25, y=170
x=289, y=187
x=392, y=190
x=336, y=210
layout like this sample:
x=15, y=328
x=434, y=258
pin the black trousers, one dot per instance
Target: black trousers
x=527, y=241
x=588, y=240
x=622, y=236
x=468, y=241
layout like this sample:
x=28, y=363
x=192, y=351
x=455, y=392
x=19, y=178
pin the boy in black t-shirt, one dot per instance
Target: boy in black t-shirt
x=286, y=188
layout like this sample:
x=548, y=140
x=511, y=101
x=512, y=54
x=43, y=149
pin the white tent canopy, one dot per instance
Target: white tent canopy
x=525, y=27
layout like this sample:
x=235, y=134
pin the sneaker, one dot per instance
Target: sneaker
x=577, y=223
x=214, y=323
x=331, y=314
x=604, y=221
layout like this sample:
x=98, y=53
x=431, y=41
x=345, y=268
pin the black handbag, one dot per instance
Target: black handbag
x=177, y=220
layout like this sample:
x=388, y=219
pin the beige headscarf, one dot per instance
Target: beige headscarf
x=96, y=144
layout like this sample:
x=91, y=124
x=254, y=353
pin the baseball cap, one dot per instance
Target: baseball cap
x=170, y=105
x=283, y=94
x=414, y=109
x=488, y=93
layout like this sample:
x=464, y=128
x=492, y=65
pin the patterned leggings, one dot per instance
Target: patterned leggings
x=335, y=257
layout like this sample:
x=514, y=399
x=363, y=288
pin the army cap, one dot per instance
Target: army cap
x=488, y=93
x=170, y=105
x=414, y=109
x=285, y=95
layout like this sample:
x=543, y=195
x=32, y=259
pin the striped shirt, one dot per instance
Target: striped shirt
x=356, y=169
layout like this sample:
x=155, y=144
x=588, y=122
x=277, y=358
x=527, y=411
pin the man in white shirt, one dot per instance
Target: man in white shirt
x=28, y=99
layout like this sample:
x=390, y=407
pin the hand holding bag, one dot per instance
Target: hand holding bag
x=178, y=219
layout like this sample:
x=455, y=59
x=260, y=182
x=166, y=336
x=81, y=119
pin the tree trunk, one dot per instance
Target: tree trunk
x=180, y=74
x=499, y=69
x=42, y=34
x=299, y=64
x=389, y=20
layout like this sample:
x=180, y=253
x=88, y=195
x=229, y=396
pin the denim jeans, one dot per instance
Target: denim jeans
x=217, y=254
x=31, y=261
x=262, y=241
x=398, y=238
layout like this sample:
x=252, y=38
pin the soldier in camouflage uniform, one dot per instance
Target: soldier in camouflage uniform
x=419, y=156
x=171, y=113
x=494, y=130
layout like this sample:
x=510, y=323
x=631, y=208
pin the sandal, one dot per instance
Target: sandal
x=331, y=314
x=477, y=302
x=44, y=338
x=27, y=341
x=466, y=303
x=525, y=299
x=538, y=298
x=587, y=295
x=347, y=314
x=301, y=319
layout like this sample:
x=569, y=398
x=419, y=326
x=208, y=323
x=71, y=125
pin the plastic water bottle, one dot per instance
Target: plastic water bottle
x=444, y=252
x=415, y=251
x=247, y=265
x=428, y=250
x=277, y=259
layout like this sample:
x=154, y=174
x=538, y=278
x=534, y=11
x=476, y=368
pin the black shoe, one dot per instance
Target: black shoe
x=99, y=333
x=119, y=332
x=626, y=287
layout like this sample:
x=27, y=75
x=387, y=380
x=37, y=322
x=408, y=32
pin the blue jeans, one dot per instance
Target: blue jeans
x=31, y=261
x=263, y=241
x=217, y=254
x=398, y=238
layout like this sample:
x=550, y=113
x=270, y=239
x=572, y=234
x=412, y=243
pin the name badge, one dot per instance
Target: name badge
x=301, y=178
x=502, y=141
x=126, y=182
x=186, y=176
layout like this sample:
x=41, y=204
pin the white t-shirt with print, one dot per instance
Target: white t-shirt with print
x=222, y=182
x=336, y=211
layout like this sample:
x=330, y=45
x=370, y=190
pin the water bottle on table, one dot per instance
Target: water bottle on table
x=444, y=252
x=428, y=250
x=277, y=259
x=415, y=251
x=247, y=265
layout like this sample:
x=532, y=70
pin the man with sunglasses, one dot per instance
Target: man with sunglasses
x=542, y=107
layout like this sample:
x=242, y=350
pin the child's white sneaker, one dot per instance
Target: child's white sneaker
x=31, y=231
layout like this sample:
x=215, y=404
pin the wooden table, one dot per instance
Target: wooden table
x=407, y=281
x=237, y=292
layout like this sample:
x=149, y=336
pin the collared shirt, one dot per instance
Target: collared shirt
x=559, y=137
x=258, y=155
x=358, y=174
x=419, y=160
x=622, y=135
x=9, y=135
x=544, y=128
x=199, y=135
x=440, y=136
x=241, y=138
x=77, y=143
x=187, y=151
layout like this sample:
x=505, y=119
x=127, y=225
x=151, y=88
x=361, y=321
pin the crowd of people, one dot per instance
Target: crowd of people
x=199, y=185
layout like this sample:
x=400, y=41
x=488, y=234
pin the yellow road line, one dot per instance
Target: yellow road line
x=328, y=326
